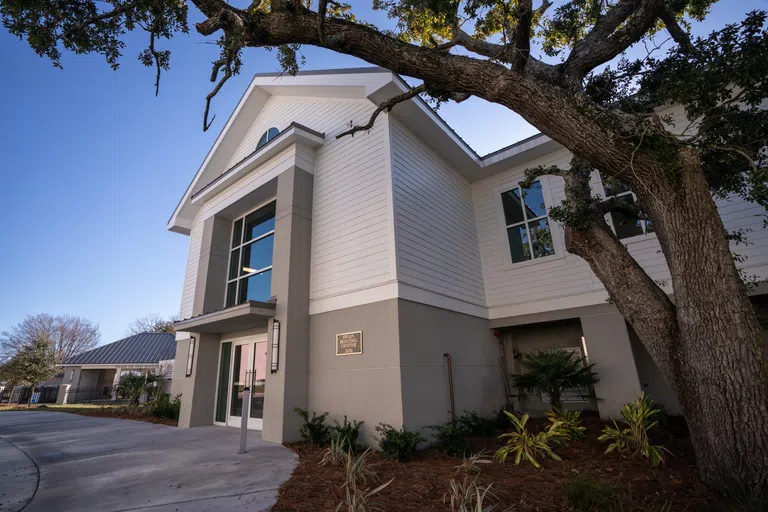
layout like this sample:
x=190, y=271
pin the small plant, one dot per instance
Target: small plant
x=133, y=385
x=476, y=425
x=314, y=430
x=165, y=407
x=633, y=440
x=467, y=496
x=451, y=438
x=552, y=371
x=527, y=445
x=471, y=464
x=336, y=452
x=586, y=494
x=357, y=474
x=348, y=432
x=400, y=444
x=567, y=422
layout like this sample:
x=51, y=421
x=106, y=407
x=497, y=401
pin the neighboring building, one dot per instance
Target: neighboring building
x=93, y=375
x=405, y=242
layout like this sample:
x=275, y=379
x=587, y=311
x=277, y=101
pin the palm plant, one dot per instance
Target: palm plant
x=527, y=445
x=133, y=385
x=552, y=371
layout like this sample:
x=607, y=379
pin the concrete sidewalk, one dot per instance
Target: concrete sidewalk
x=104, y=464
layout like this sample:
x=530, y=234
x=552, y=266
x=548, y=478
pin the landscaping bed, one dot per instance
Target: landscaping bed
x=419, y=485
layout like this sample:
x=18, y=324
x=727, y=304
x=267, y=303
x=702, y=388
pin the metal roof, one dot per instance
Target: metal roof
x=144, y=348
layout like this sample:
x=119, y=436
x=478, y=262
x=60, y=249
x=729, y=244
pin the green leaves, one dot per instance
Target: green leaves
x=568, y=423
x=32, y=363
x=525, y=445
x=633, y=440
x=551, y=372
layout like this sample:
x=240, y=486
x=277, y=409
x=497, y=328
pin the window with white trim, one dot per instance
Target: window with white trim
x=249, y=276
x=624, y=226
x=525, y=216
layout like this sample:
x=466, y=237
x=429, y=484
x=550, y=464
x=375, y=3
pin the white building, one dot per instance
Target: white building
x=402, y=239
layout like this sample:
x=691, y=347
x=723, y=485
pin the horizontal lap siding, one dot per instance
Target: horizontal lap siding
x=350, y=225
x=190, y=277
x=508, y=285
x=436, y=233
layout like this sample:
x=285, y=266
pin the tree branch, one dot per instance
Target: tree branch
x=217, y=66
x=620, y=205
x=523, y=35
x=622, y=25
x=679, y=35
x=118, y=11
x=388, y=106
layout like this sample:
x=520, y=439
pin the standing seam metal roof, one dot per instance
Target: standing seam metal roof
x=144, y=348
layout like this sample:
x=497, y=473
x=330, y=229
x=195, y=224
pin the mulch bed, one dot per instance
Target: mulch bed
x=419, y=485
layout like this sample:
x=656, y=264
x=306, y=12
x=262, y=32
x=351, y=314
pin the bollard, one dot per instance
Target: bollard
x=244, y=418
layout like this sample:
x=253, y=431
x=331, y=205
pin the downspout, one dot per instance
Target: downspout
x=447, y=356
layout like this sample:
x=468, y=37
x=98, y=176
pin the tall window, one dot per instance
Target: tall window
x=267, y=136
x=528, y=230
x=250, y=258
x=625, y=227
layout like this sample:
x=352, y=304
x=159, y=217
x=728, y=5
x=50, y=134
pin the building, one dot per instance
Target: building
x=93, y=375
x=340, y=274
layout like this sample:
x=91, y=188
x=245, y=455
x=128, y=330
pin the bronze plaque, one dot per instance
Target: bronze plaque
x=349, y=343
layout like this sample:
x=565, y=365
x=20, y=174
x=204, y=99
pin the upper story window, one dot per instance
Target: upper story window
x=625, y=227
x=268, y=136
x=525, y=216
x=250, y=258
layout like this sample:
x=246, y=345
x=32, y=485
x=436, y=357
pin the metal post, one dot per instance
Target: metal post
x=246, y=411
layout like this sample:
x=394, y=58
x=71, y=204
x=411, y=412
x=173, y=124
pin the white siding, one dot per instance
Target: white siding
x=567, y=280
x=190, y=277
x=350, y=220
x=436, y=233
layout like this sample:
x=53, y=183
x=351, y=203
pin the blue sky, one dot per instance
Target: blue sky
x=92, y=165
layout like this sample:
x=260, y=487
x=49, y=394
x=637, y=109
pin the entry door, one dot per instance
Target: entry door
x=248, y=367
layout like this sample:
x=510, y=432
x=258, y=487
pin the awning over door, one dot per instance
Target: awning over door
x=236, y=318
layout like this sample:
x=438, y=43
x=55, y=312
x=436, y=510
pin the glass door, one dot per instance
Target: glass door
x=247, y=367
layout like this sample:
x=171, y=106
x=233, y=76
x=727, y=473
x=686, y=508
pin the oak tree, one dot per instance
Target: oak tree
x=582, y=93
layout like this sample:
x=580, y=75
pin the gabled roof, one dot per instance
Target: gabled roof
x=373, y=83
x=144, y=348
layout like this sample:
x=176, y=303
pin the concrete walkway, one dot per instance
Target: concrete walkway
x=60, y=461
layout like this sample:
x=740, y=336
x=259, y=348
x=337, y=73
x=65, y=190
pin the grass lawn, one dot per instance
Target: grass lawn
x=615, y=483
x=104, y=411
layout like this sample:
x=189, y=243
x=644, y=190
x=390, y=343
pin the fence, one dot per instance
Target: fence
x=102, y=395
x=21, y=395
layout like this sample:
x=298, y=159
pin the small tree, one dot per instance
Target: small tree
x=132, y=385
x=32, y=364
x=551, y=371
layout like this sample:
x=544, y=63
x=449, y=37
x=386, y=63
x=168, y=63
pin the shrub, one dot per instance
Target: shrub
x=400, y=444
x=357, y=474
x=466, y=496
x=336, y=452
x=163, y=407
x=552, y=371
x=633, y=440
x=471, y=464
x=132, y=385
x=476, y=425
x=527, y=445
x=451, y=438
x=348, y=432
x=586, y=494
x=314, y=430
x=567, y=422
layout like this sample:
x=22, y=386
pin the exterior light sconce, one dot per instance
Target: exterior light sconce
x=191, y=355
x=274, y=364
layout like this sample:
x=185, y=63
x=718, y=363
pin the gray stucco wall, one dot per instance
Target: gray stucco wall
x=365, y=387
x=426, y=333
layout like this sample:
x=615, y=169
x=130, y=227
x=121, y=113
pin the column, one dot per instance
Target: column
x=61, y=397
x=198, y=391
x=608, y=347
x=115, y=382
x=288, y=387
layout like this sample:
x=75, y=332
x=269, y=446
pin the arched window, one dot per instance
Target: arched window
x=268, y=136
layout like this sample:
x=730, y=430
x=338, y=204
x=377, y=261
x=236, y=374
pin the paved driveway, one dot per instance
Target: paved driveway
x=66, y=462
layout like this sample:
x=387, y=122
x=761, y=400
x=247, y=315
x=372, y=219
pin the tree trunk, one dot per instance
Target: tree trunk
x=707, y=345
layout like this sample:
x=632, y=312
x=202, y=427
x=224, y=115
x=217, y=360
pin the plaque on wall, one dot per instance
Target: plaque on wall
x=349, y=343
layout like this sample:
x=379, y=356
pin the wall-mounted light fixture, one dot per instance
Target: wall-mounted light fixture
x=191, y=355
x=275, y=346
